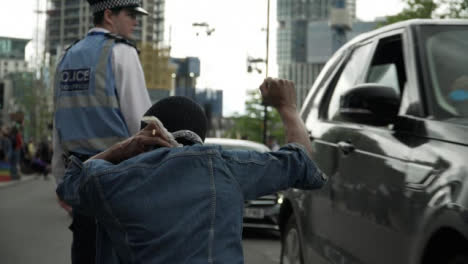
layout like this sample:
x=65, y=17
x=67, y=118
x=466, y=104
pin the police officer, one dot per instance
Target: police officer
x=100, y=97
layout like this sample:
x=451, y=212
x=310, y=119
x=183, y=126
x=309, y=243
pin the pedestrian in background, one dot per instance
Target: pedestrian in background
x=100, y=96
x=5, y=143
x=184, y=204
x=5, y=152
x=40, y=162
x=272, y=143
x=31, y=150
x=16, y=140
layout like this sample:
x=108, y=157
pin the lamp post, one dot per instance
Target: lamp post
x=38, y=13
x=265, y=109
x=37, y=126
x=254, y=61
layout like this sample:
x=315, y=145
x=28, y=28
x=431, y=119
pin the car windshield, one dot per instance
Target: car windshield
x=446, y=67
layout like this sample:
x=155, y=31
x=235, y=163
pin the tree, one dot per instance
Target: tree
x=250, y=125
x=454, y=8
x=431, y=9
x=414, y=9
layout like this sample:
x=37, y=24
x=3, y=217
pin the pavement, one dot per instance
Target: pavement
x=33, y=227
x=24, y=178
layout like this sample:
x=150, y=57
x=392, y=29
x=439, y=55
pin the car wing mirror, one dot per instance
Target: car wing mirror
x=371, y=103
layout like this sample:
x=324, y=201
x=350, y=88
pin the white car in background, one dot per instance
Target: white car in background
x=261, y=213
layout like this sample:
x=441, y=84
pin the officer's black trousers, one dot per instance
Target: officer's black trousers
x=84, y=239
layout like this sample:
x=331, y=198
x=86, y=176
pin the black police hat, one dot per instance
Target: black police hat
x=101, y=5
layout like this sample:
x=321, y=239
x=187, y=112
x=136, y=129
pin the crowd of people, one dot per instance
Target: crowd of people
x=19, y=157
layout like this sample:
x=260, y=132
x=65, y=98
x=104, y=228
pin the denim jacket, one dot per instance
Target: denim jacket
x=181, y=205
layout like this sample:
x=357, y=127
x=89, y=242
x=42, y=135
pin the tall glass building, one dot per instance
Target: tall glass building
x=299, y=59
x=12, y=56
x=15, y=76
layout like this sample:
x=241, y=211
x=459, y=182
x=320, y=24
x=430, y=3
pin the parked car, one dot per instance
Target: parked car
x=388, y=121
x=261, y=213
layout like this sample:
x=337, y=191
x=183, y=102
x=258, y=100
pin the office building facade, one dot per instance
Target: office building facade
x=294, y=34
x=12, y=56
x=15, y=75
x=185, y=78
x=188, y=70
x=211, y=101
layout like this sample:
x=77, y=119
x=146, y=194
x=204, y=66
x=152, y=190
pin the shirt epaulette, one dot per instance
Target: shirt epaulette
x=120, y=39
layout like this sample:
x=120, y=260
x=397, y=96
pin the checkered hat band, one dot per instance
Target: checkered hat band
x=109, y=4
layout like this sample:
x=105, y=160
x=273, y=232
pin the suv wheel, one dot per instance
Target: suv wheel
x=291, y=248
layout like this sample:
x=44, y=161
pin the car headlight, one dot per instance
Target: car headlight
x=280, y=198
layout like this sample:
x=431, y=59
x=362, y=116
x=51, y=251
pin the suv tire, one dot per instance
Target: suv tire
x=291, y=247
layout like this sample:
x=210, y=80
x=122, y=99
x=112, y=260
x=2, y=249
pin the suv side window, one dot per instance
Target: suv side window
x=351, y=74
x=388, y=65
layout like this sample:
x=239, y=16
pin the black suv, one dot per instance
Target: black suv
x=388, y=121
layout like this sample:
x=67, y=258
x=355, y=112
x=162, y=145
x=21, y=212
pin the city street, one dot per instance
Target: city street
x=33, y=228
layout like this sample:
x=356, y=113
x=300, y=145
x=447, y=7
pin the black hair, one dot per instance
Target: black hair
x=98, y=18
x=180, y=113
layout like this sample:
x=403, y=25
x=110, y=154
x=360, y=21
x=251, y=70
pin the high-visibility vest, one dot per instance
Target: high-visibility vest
x=87, y=118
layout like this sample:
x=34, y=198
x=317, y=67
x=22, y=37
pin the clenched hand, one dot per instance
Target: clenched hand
x=278, y=93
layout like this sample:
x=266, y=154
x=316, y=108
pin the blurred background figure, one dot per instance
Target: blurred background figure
x=5, y=152
x=42, y=158
x=16, y=140
x=273, y=143
x=30, y=150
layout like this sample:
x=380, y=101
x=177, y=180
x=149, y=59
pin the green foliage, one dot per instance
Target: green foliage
x=414, y=9
x=454, y=9
x=431, y=9
x=30, y=98
x=250, y=125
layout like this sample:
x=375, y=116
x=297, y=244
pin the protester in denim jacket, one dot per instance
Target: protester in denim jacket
x=184, y=204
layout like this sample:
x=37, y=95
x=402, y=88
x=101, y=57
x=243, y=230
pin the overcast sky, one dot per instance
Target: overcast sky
x=238, y=34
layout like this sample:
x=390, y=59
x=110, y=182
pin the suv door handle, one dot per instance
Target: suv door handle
x=346, y=147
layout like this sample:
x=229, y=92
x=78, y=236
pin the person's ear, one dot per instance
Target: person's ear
x=108, y=17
